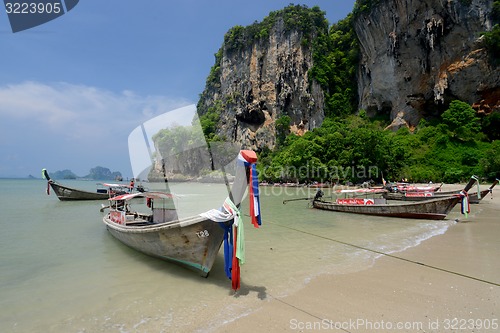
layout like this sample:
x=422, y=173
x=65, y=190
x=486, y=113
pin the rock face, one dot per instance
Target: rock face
x=259, y=83
x=418, y=55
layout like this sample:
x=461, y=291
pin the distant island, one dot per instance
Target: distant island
x=97, y=173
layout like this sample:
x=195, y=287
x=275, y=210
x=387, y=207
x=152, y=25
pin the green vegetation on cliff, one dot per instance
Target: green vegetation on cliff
x=492, y=38
x=335, y=58
x=309, y=22
x=349, y=146
x=355, y=148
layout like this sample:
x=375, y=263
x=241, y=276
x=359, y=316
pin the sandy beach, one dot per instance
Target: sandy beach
x=449, y=283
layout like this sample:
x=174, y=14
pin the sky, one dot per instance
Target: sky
x=74, y=88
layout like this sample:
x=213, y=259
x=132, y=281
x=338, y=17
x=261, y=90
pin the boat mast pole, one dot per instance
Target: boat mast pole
x=151, y=158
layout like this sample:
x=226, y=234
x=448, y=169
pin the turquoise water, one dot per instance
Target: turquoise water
x=61, y=271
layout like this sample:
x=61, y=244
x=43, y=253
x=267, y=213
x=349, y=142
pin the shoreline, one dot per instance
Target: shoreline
x=449, y=282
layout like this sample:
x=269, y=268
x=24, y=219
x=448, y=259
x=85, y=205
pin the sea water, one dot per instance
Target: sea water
x=61, y=271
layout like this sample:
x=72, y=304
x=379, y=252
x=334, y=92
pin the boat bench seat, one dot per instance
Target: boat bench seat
x=139, y=223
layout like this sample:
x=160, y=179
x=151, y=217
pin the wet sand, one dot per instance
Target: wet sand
x=449, y=283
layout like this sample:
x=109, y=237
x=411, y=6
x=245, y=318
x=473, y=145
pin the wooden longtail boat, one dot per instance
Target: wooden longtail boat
x=435, y=209
x=66, y=193
x=405, y=187
x=418, y=196
x=474, y=198
x=193, y=242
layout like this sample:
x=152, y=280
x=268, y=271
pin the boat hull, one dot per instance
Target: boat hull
x=434, y=209
x=65, y=193
x=193, y=243
x=473, y=197
x=420, y=196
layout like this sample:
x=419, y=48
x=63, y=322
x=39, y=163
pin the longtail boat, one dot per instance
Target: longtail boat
x=406, y=187
x=418, y=196
x=421, y=195
x=433, y=209
x=478, y=196
x=66, y=193
x=194, y=241
x=474, y=198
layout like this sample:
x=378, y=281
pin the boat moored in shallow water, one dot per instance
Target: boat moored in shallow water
x=103, y=192
x=193, y=241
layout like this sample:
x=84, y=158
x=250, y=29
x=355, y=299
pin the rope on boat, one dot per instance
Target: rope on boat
x=288, y=200
x=391, y=255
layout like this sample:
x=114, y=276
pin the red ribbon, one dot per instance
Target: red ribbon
x=252, y=203
x=235, y=271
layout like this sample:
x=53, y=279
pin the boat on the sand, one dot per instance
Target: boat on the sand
x=433, y=209
x=192, y=242
x=474, y=197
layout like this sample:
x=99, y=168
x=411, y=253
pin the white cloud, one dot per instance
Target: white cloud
x=85, y=125
x=79, y=109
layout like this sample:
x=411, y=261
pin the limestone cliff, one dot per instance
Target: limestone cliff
x=418, y=55
x=261, y=74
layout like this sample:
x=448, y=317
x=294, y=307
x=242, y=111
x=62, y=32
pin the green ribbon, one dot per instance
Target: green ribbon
x=477, y=183
x=240, y=238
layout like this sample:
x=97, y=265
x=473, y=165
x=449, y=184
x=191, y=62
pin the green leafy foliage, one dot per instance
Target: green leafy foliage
x=282, y=126
x=461, y=120
x=177, y=139
x=490, y=161
x=492, y=38
x=335, y=58
x=355, y=149
x=492, y=42
x=364, y=6
x=495, y=11
x=491, y=126
x=309, y=22
x=210, y=119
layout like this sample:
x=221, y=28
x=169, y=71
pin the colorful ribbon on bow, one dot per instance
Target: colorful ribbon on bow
x=477, y=184
x=254, y=197
x=236, y=247
x=465, y=205
x=234, y=244
x=234, y=236
x=253, y=189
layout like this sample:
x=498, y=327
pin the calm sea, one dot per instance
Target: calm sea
x=61, y=271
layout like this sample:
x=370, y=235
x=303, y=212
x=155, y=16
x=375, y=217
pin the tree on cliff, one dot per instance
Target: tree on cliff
x=462, y=121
